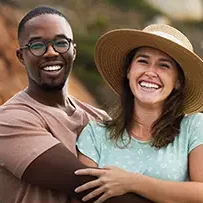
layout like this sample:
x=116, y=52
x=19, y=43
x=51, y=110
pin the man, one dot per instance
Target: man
x=39, y=125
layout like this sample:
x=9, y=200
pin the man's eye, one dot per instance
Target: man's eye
x=61, y=43
x=37, y=45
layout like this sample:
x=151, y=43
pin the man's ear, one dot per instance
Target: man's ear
x=19, y=55
x=74, y=51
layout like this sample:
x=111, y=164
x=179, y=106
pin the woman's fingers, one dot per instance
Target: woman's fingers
x=103, y=198
x=93, y=194
x=90, y=171
x=89, y=185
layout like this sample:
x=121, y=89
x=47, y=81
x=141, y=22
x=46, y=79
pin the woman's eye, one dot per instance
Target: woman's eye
x=142, y=61
x=165, y=65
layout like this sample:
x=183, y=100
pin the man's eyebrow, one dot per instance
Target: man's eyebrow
x=34, y=38
x=61, y=36
x=40, y=38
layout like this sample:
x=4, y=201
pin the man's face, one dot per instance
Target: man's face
x=51, y=70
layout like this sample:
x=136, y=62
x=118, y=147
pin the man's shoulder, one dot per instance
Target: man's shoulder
x=92, y=112
x=15, y=99
x=17, y=106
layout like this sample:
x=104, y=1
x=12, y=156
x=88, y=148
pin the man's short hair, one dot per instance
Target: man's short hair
x=37, y=12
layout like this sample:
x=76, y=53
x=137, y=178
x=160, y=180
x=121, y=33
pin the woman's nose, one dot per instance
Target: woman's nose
x=151, y=71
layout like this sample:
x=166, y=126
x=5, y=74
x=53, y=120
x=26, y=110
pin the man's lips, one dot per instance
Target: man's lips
x=52, y=68
x=52, y=71
x=51, y=65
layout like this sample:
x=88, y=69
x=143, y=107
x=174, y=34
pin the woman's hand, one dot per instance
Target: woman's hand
x=112, y=181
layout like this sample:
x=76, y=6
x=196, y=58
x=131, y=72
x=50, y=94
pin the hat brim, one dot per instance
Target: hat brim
x=113, y=47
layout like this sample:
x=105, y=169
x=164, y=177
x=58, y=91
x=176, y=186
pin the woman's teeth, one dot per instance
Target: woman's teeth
x=149, y=85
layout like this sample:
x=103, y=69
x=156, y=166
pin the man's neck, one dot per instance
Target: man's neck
x=54, y=98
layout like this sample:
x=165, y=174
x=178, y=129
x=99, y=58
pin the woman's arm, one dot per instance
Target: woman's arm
x=113, y=181
x=87, y=161
x=179, y=192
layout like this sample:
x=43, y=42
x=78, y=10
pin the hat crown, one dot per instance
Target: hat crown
x=169, y=33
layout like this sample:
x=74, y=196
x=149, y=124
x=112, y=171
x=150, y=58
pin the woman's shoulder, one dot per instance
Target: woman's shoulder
x=193, y=127
x=191, y=124
x=97, y=124
x=192, y=120
x=96, y=128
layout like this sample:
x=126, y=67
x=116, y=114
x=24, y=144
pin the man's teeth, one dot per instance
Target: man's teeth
x=52, y=68
x=149, y=85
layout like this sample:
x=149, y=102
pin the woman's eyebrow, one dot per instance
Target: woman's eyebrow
x=166, y=60
x=142, y=56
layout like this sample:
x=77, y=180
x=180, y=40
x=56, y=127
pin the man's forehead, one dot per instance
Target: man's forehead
x=42, y=19
x=47, y=25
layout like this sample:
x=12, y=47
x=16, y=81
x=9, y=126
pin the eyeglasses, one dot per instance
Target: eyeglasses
x=39, y=48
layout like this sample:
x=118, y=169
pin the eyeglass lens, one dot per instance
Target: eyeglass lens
x=59, y=45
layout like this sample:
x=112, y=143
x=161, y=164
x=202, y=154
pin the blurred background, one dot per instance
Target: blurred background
x=89, y=19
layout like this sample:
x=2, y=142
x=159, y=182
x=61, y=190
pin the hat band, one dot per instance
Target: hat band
x=168, y=36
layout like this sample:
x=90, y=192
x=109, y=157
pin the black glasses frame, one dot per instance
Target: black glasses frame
x=28, y=45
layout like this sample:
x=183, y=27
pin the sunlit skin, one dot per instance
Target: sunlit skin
x=152, y=77
x=44, y=28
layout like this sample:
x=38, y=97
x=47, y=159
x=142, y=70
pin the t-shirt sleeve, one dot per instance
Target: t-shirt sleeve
x=23, y=137
x=89, y=141
x=196, y=131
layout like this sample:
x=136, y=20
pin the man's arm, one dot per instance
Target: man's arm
x=30, y=152
x=54, y=169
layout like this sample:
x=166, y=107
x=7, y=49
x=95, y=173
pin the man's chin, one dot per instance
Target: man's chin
x=50, y=88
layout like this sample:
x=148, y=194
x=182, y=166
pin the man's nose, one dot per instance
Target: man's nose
x=50, y=51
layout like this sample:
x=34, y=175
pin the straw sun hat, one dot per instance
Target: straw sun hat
x=113, y=47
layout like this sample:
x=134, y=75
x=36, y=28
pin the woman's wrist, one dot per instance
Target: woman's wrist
x=133, y=183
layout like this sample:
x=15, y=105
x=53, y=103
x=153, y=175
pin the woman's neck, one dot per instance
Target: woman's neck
x=142, y=122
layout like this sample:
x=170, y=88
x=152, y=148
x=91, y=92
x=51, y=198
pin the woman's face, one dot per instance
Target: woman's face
x=152, y=76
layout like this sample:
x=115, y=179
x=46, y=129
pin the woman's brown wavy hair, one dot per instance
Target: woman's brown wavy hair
x=165, y=128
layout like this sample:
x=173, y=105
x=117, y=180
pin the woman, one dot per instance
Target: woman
x=155, y=137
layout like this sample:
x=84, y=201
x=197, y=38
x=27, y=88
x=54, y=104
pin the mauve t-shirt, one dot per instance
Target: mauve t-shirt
x=28, y=129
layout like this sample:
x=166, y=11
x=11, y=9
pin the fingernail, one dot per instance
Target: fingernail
x=76, y=190
x=76, y=172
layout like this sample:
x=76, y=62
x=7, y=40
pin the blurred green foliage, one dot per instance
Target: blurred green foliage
x=137, y=5
x=85, y=68
x=99, y=25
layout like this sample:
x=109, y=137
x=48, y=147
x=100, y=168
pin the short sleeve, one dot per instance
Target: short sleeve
x=23, y=137
x=89, y=141
x=196, y=131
